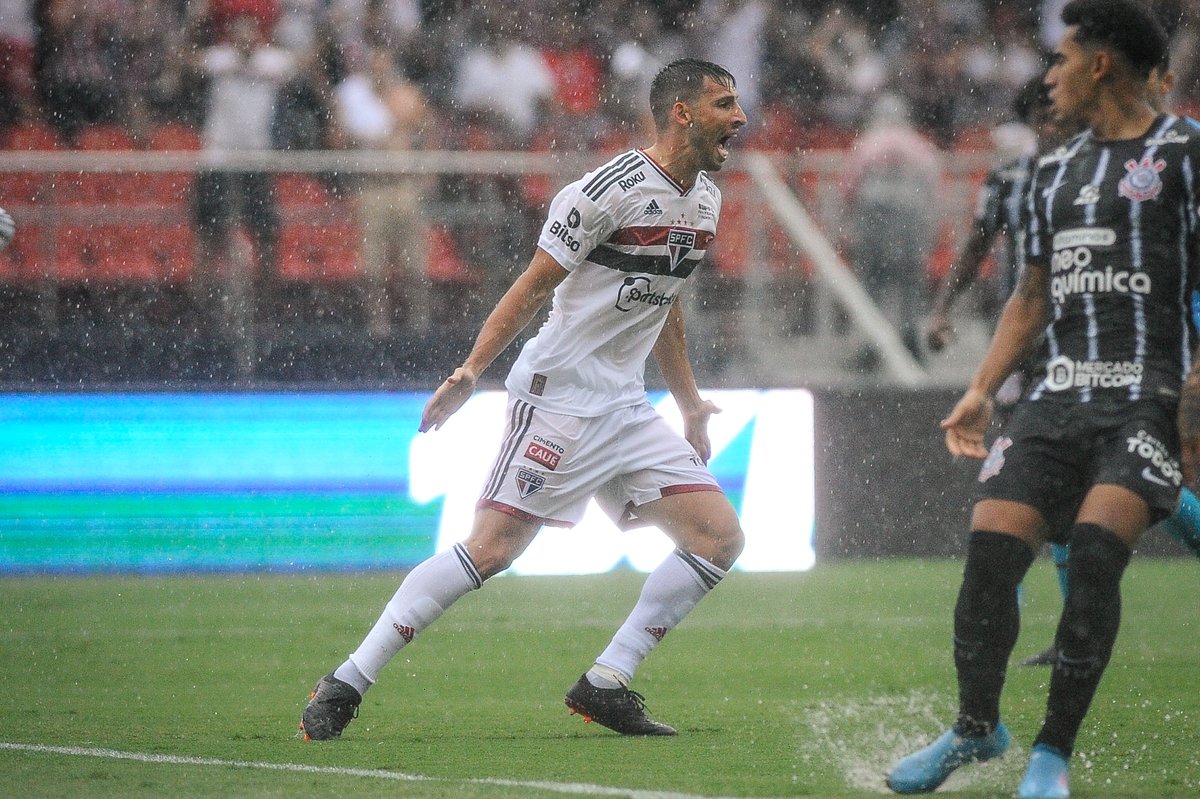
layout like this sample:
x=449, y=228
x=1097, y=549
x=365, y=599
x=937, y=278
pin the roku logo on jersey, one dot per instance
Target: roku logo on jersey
x=639, y=291
x=631, y=181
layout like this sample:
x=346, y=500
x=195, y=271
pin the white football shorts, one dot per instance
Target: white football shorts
x=551, y=464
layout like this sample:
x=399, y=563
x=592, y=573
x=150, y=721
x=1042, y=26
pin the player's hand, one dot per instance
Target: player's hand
x=940, y=333
x=695, y=428
x=449, y=397
x=967, y=424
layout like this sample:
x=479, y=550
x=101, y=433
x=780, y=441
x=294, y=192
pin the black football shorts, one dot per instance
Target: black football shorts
x=1051, y=453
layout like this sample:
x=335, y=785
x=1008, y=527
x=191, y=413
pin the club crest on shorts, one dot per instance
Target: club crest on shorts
x=1142, y=181
x=995, y=459
x=529, y=482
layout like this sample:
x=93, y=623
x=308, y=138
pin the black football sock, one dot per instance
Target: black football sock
x=986, y=623
x=1086, y=631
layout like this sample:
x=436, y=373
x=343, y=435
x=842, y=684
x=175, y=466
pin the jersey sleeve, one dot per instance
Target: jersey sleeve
x=574, y=227
x=1036, y=246
x=989, y=205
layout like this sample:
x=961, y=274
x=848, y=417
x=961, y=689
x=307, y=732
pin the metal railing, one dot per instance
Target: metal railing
x=794, y=314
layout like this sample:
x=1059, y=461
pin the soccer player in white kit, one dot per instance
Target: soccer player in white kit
x=614, y=254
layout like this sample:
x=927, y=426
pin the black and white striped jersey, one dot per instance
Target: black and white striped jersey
x=1000, y=208
x=1115, y=224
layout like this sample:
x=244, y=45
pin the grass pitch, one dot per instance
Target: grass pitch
x=781, y=685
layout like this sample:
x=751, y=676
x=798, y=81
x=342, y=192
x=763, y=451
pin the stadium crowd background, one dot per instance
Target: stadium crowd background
x=518, y=75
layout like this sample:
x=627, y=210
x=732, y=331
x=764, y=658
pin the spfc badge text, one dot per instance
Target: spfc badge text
x=529, y=482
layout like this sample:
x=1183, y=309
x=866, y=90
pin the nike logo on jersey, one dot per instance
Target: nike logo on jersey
x=1088, y=195
x=1148, y=474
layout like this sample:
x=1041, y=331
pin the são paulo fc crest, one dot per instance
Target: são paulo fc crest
x=529, y=482
x=1142, y=182
x=679, y=244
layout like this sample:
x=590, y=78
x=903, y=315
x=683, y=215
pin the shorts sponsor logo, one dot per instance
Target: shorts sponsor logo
x=639, y=290
x=1063, y=373
x=995, y=459
x=1162, y=470
x=529, y=482
x=543, y=455
x=1142, y=182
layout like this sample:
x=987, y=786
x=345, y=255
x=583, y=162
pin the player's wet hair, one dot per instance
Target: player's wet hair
x=1126, y=26
x=681, y=80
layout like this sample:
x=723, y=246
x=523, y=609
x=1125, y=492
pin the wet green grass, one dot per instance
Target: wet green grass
x=781, y=685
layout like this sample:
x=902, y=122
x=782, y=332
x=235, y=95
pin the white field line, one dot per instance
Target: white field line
x=573, y=788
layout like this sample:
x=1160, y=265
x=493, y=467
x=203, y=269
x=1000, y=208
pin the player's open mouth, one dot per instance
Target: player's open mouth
x=723, y=145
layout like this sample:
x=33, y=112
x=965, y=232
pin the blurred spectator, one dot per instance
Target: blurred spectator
x=852, y=67
x=893, y=182
x=16, y=62
x=380, y=110
x=502, y=78
x=634, y=60
x=578, y=77
x=245, y=76
x=76, y=56
x=305, y=107
x=226, y=14
x=735, y=41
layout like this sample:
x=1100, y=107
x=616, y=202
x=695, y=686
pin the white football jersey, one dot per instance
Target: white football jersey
x=629, y=235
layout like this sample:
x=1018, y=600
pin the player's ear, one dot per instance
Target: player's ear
x=1102, y=65
x=681, y=114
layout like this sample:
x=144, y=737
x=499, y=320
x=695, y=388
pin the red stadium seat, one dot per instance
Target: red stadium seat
x=320, y=252
x=32, y=136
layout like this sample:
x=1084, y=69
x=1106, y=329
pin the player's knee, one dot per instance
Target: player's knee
x=725, y=543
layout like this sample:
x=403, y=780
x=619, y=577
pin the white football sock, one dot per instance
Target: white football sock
x=670, y=593
x=429, y=589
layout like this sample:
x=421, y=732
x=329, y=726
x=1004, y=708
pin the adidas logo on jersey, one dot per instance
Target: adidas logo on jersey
x=652, y=209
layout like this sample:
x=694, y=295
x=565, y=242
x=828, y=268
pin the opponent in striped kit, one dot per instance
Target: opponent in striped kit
x=614, y=255
x=1092, y=453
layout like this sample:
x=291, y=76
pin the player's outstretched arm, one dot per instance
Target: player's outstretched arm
x=961, y=275
x=1023, y=319
x=670, y=352
x=511, y=315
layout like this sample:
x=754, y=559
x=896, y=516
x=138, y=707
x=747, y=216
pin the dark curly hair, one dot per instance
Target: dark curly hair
x=682, y=80
x=1126, y=26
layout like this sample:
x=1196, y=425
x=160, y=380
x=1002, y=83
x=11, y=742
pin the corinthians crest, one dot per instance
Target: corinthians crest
x=1142, y=182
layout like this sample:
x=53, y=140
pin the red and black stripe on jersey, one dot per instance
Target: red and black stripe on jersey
x=647, y=263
